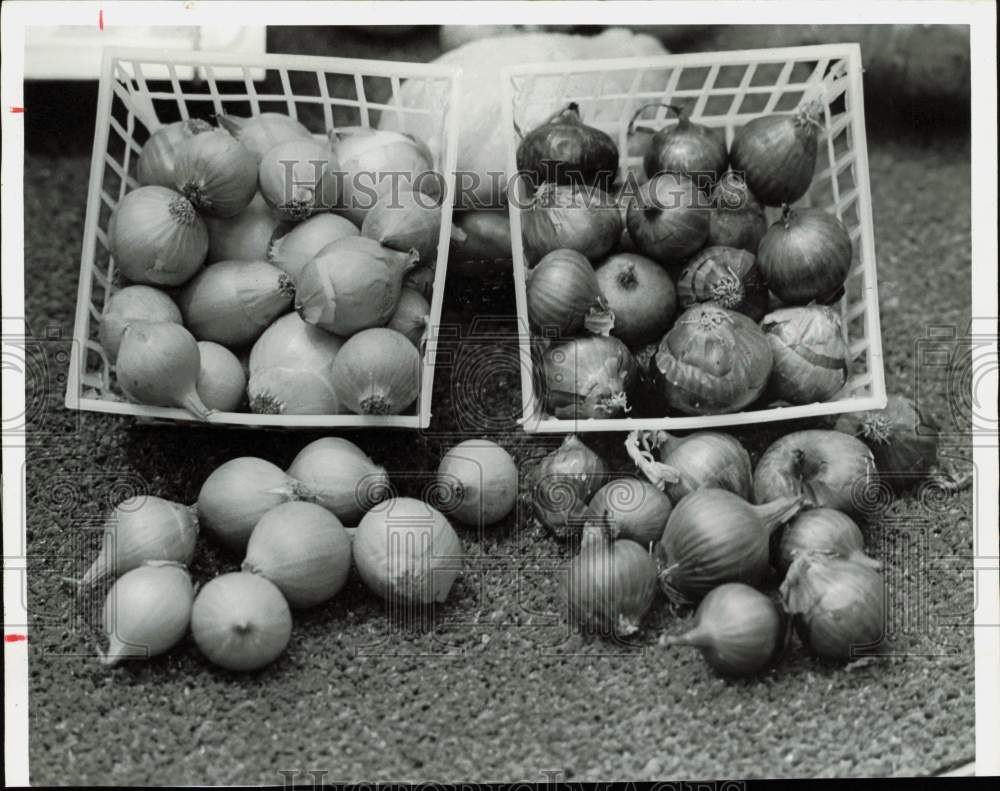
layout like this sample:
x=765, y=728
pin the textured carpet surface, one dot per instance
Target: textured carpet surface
x=497, y=687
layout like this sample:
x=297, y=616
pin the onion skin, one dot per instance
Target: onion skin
x=292, y=248
x=156, y=162
x=299, y=178
x=480, y=481
x=561, y=485
x=821, y=530
x=564, y=150
x=579, y=218
x=776, y=154
x=404, y=219
x=262, y=132
x=563, y=295
x=589, y=377
x=827, y=468
x=244, y=237
x=668, y=220
x=805, y=256
x=216, y=173
x=727, y=277
x=687, y=149
x=629, y=508
x=810, y=353
x=712, y=362
x=737, y=218
x=377, y=372
x=134, y=303
x=640, y=294
x=221, y=380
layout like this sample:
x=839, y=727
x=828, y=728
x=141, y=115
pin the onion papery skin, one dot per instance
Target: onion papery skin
x=630, y=508
x=479, y=480
x=562, y=484
x=810, y=353
x=822, y=530
x=412, y=316
x=687, y=149
x=216, y=173
x=805, y=256
x=828, y=468
x=262, y=132
x=579, y=218
x=156, y=162
x=714, y=536
x=668, y=219
x=737, y=218
x=727, y=277
x=837, y=606
x=609, y=587
x=776, y=154
x=156, y=238
x=564, y=150
x=134, y=303
x=589, y=377
x=291, y=248
x=340, y=477
x=299, y=178
x=712, y=362
x=221, y=382
x=563, y=295
x=404, y=219
x=640, y=294
x=244, y=237
x=377, y=372
x=703, y=459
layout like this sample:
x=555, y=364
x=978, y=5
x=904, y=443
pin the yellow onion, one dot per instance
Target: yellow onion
x=377, y=372
x=340, y=477
x=290, y=369
x=726, y=277
x=561, y=485
x=147, y=611
x=142, y=529
x=156, y=162
x=805, y=256
x=244, y=237
x=610, y=586
x=736, y=218
x=589, y=377
x=776, y=154
x=216, y=173
x=221, y=380
x=404, y=219
x=641, y=296
x=714, y=536
x=240, y=621
x=478, y=480
x=231, y=302
x=837, y=606
x=352, y=284
x=303, y=549
x=712, y=362
x=297, y=246
x=412, y=316
x=738, y=630
x=580, y=218
x=628, y=508
x=262, y=132
x=827, y=468
x=686, y=148
x=156, y=237
x=564, y=150
x=822, y=530
x=405, y=550
x=158, y=364
x=668, y=219
x=564, y=296
x=299, y=178
x=133, y=303
x=810, y=353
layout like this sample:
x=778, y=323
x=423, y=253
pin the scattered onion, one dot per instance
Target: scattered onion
x=628, y=508
x=562, y=483
x=340, y=477
x=822, y=530
x=479, y=482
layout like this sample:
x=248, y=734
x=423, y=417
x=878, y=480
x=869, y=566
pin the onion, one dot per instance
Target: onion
x=738, y=630
x=133, y=303
x=293, y=250
x=805, y=256
x=352, y=284
x=377, y=372
x=291, y=369
x=704, y=459
x=562, y=483
x=412, y=316
x=589, y=377
x=221, y=381
x=737, y=218
x=810, y=353
x=421, y=279
x=837, y=606
x=628, y=508
x=404, y=219
x=480, y=242
x=641, y=296
x=713, y=361
x=158, y=364
x=231, y=302
x=240, y=621
x=479, y=482
x=244, y=237
x=580, y=218
x=687, y=149
x=714, y=536
x=668, y=220
x=777, y=154
x=303, y=549
x=340, y=477
x=827, y=468
x=216, y=173
x=156, y=238
x=822, y=530
x=564, y=296
x=609, y=587
x=405, y=550
x=564, y=150
x=156, y=162
x=726, y=277
x=299, y=178
x=262, y=132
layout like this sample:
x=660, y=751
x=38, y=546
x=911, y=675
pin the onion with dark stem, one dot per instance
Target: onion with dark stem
x=688, y=149
x=564, y=150
x=726, y=277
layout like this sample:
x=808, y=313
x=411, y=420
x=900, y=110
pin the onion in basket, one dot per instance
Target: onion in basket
x=377, y=372
x=299, y=178
x=216, y=173
x=244, y=237
x=134, y=303
x=810, y=353
x=563, y=295
x=668, y=219
x=688, y=149
x=404, y=219
x=726, y=277
x=221, y=383
x=641, y=296
x=292, y=248
x=589, y=377
x=156, y=162
x=576, y=217
x=564, y=150
x=737, y=218
x=262, y=132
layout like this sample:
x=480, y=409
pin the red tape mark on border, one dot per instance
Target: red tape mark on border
x=15, y=638
x=16, y=109
x=100, y=19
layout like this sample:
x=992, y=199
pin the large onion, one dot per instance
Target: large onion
x=564, y=150
x=641, y=296
x=686, y=148
x=589, y=377
x=737, y=218
x=564, y=296
x=580, y=218
x=810, y=353
x=668, y=219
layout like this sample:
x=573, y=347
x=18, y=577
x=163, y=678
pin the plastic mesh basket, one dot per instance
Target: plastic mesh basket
x=723, y=90
x=141, y=90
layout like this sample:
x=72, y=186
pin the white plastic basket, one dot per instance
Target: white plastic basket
x=722, y=89
x=323, y=93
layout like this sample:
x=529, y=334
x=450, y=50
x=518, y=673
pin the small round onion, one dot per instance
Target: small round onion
x=562, y=483
x=580, y=218
x=629, y=508
x=298, y=178
x=134, y=303
x=810, y=353
x=216, y=173
x=727, y=277
x=564, y=150
x=821, y=530
x=641, y=296
x=687, y=149
x=737, y=218
x=668, y=220
x=479, y=479
x=156, y=162
x=563, y=296
x=589, y=377
x=377, y=372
